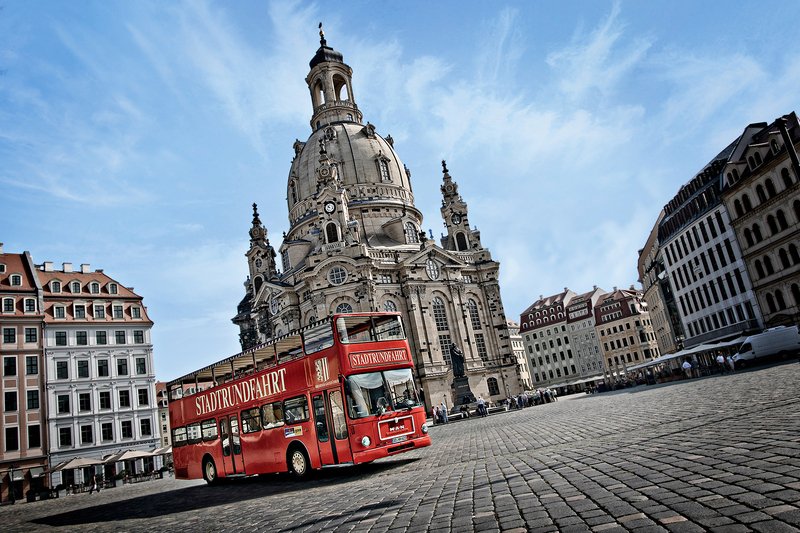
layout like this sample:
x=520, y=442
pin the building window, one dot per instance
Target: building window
x=33, y=399
x=101, y=337
x=81, y=338
x=12, y=439
x=480, y=344
x=8, y=305
x=61, y=338
x=95, y=287
x=493, y=388
x=102, y=368
x=344, y=308
x=84, y=401
x=144, y=425
x=10, y=403
x=337, y=275
x=127, y=429
x=112, y=288
x=119, y=337
x=31, y=335
x=432, y=269
x=86, y=434
x=62, y=370
x=80, y=311
x=473, y=314
x=75, y=287
x=136, y=312
x=143, y=397
x=117, y=311
x=83, y=368
x=30, y=305
x=138, y=336
x=122, y=367
x=10, y=366
x=99, y=311
x=34, y=436
x=105, y=400
x=107, y=431
x=65, y=437
x=331, y=232
x=389, y=306
x=62, y=402
x=124, y=398
x=31, y=365
x=55, y=287
x=16, y=280
x=412, y=236
x=141, y=366
x=383, y=169
x=59, y=312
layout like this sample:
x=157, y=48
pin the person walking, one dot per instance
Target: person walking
x=723, y=367
x=481, y=406
x=687, y=368
x=443, y=410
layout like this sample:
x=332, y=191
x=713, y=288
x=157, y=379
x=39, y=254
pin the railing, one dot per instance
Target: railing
x=336, y=103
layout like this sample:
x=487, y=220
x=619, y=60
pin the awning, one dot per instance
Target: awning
x=77, y=462
x=128, y=455
x=689, y=351
x=36, y=471
x=162, y=451
x=18, y=475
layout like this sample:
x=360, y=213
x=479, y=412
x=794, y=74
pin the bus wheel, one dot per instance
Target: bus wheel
x=210, y=471
x=298, y=463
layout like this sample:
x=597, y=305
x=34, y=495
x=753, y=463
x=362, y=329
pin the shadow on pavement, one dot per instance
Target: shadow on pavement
x=204, y=496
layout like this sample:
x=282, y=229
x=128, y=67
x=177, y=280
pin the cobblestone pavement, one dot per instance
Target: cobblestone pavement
x=712, y=454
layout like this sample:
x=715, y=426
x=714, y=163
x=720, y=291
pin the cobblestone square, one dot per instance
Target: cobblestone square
x=713, y=454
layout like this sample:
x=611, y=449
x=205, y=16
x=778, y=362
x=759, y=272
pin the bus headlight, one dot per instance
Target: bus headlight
x=424, y=429
x=365, y=442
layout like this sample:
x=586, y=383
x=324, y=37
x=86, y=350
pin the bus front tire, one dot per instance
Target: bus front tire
x=210, y=471
x=298, y=463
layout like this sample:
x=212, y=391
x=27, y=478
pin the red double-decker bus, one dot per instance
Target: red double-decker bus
x=338, y=392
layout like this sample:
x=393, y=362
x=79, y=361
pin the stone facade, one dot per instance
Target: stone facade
x=355, y=244
x=518, y=347
x=582, y=334
x=543, y=327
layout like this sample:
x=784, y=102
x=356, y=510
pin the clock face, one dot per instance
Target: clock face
x=455, y=218
x=330, y=207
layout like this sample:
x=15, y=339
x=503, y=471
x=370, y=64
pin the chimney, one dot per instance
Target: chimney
x=615, y=288
x=66, y=267
x=1, y=247
x=48, y=266
x=594, y=287
x=85, y=268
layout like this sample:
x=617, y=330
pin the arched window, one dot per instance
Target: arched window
x=442, y=328
x=786, y=177
x=770, y=188
x=95, y=288
x=494, y=390
x=782, y=223
x=257, y=282
x=293, y=192
x=75, y=287
x=760, y=193
x=55, y=286
x=774, y=145
x=759, y=269
x=770, y=303
x=312, y=320
x=794, y=254
x=796, y=208
x=768, y=265
x=751, y=162
x=474, y=317
x=757, y=233
x=796, y=294
x=331, y=232
x=773, y=225
x=344, y=308
x=383, y=170
x=746, y=202
x=340, y=88
x=389, y=306
x=784, y=257
x=412, y=236
x=319, y=95
x=757, y=156
x=737, y=205
x=461, y=242
x=780, y=301
x=735, y=174
x=748, y=236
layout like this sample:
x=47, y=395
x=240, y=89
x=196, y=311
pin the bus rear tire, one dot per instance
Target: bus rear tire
x=298, y=462
x=210, y=471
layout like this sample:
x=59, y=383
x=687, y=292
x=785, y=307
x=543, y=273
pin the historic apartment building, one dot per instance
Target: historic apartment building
x=543, y=327
x=582, y=333
x=624, y=330
x=761, y=191
x=658, y=294
x=355, y=243
x=518, y=347
x=23, y=426
x=706, y=271
x=100, y=374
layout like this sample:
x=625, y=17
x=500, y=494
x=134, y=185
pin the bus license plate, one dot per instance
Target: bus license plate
x=399, y=439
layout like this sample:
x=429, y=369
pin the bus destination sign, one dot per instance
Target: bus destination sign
x=377, y=358
x=255, y=388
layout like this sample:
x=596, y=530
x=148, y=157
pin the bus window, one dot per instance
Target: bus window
x=295, y=410
x=209, y=429
x=375, y=392
x=289, y=347
x=178, y=437
x=318, y=337
x=272, y=415
x=337, y=410
x=319, y=417
x=358, y=329
x=193, y=432
x=251, y=420
x=401, y=385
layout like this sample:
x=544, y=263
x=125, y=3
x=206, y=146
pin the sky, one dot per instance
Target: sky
x=134, y=136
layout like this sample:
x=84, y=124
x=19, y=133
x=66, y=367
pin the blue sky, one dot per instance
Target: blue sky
x=134, y=136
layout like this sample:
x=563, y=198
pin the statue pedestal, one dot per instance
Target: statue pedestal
x=461, y=392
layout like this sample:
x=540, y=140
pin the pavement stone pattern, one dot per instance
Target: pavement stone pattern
x=713, y=454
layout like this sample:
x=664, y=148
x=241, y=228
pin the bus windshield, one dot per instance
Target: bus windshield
x=376, y=392
x=357, y=329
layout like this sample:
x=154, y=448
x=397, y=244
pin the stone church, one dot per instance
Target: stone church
x=355, y=244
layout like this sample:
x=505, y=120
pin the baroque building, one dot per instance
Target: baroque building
x=355, y=244
x=582, y=335
x=761, y=190
x=543, y=327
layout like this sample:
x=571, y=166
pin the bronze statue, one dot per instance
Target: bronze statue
x=457, y=356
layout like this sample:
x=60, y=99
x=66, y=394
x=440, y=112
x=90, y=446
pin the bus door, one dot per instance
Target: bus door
x=231, y=445
x=331, y=426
